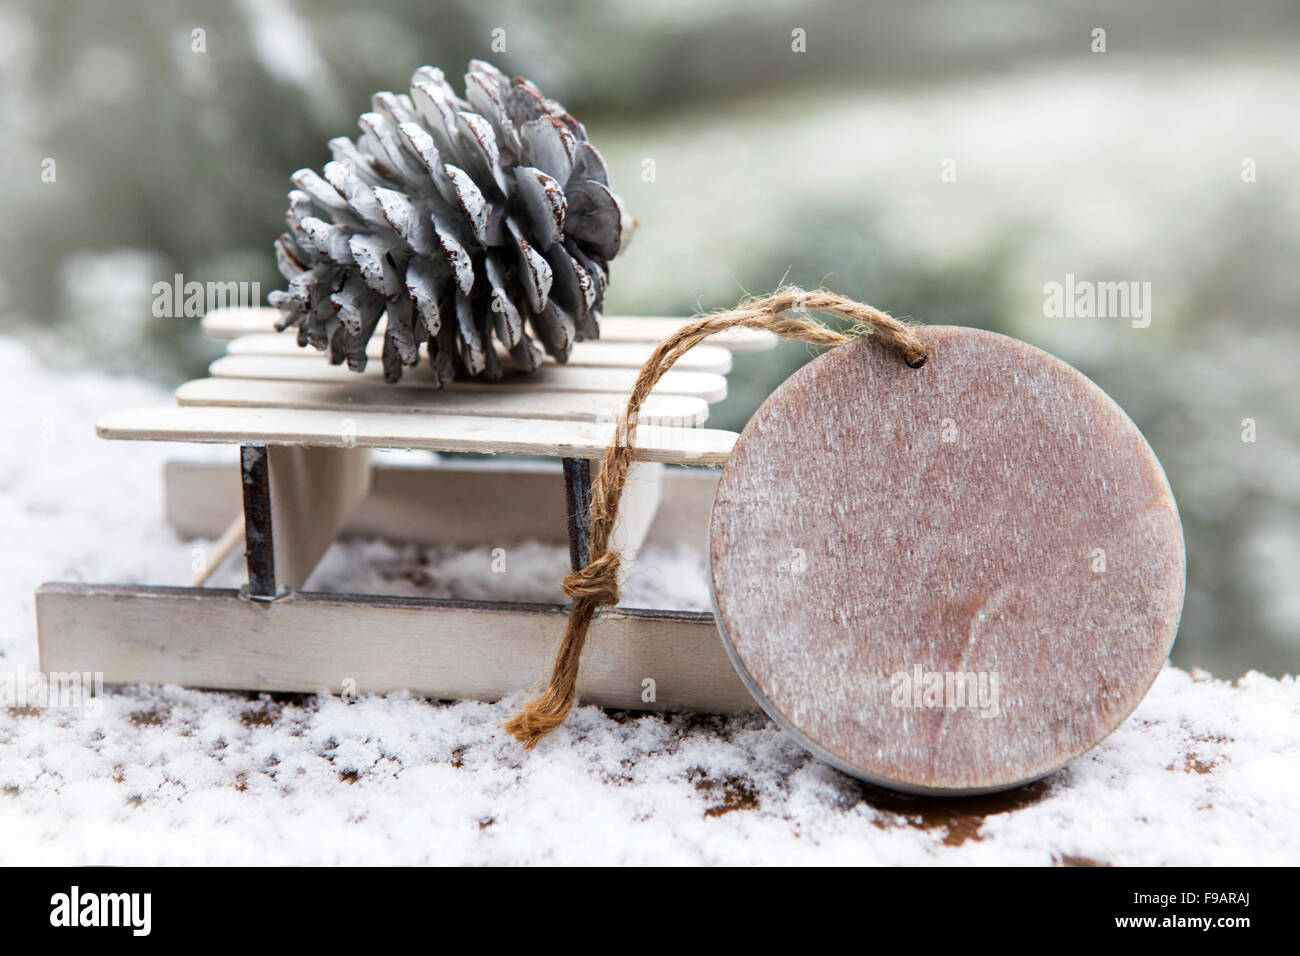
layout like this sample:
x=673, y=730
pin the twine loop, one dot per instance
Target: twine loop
x=596, y=585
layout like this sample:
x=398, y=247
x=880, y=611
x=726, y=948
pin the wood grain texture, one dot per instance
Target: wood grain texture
x=449, y=433
x=643, y=496
x=231, y=323
x=259, y=536
x=234, y=322
x=656, y=328
x=706, y=385
x=443, y=503
x=311, y=642
x=675, y=410
x=314, y=491
x=599, y=354
x=875, y=520
x=577, y=509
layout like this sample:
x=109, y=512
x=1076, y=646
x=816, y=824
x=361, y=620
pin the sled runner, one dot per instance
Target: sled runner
x=306, y=431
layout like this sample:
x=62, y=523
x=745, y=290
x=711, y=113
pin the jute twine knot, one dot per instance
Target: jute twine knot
x=596, y=585
x=598, y=581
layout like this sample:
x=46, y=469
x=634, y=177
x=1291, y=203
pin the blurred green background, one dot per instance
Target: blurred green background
x=816, y=167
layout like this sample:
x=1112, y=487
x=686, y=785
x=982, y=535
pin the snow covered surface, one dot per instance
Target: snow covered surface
x=1204, y=772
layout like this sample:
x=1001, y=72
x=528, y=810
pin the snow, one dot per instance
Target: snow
x=1204, y=772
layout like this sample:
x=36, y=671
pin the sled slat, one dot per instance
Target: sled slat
x=706, y=385
x=223, y=324
x=232, y=323
x=447, y=433
x=602, y=354
x=677, y=410
x=656, y=328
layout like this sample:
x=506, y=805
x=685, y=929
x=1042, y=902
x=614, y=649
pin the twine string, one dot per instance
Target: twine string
x=596, y=585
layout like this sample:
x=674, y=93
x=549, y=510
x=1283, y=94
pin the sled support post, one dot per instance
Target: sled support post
x=296, y=500
x=577, y=503
x=642, y=496
x=259, y=545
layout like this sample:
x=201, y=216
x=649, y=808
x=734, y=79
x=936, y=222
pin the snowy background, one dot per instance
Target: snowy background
x=820, y=168
x=1204, y=772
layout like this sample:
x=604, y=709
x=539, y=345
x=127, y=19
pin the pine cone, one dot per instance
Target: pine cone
x=461, y=220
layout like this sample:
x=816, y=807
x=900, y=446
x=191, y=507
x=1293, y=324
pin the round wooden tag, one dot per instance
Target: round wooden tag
x=951, y=579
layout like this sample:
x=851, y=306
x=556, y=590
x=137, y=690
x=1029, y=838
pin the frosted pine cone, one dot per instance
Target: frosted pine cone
x=463, y=221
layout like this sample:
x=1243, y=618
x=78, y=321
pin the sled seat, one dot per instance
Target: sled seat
x=305, y=428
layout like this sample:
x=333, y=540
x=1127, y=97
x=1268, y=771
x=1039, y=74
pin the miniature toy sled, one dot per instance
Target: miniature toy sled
x=306, y=430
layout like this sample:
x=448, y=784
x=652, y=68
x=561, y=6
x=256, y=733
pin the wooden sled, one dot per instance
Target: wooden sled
x=306, y=430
